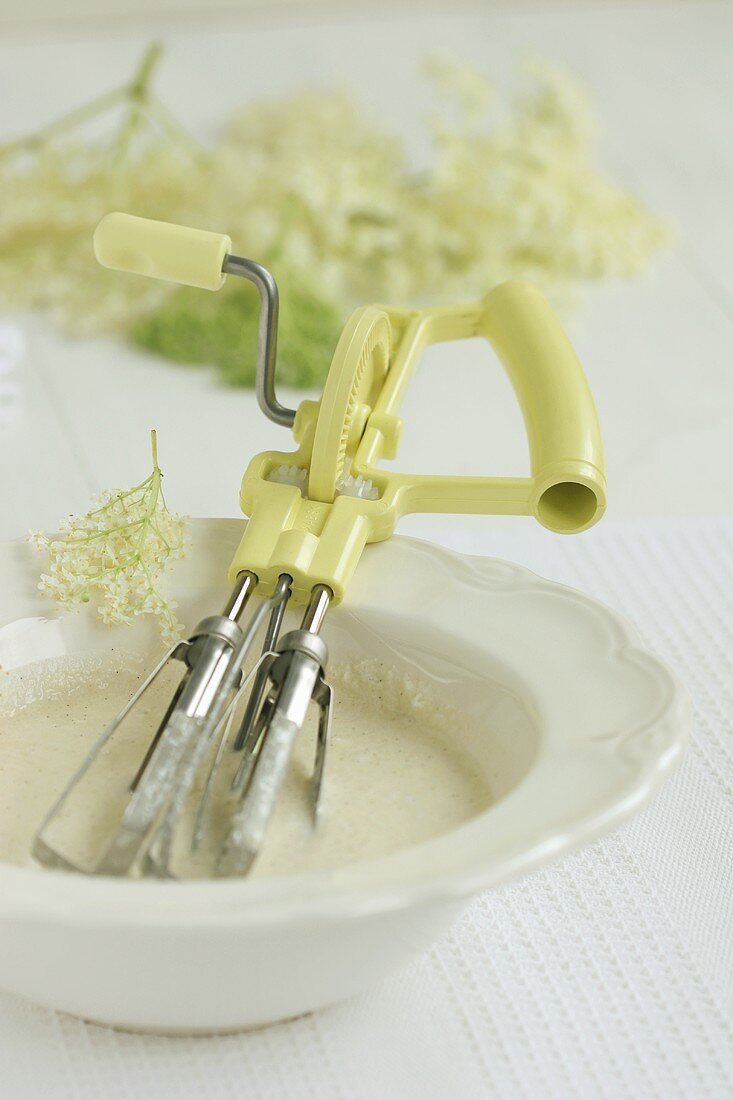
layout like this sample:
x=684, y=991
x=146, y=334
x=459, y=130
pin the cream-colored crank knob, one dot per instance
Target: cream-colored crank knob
x=162, y=250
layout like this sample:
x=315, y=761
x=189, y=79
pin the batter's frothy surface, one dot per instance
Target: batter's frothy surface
x=403, y=765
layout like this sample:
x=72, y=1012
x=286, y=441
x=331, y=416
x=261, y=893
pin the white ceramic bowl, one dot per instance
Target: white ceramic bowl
x=585, y=726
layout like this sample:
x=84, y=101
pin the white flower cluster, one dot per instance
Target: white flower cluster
x=506, y=188
x=117, y=553
x=313, y=187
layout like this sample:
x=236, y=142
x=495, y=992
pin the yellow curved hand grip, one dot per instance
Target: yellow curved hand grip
x=162, y=250
x=567, y=489
x=564, y=436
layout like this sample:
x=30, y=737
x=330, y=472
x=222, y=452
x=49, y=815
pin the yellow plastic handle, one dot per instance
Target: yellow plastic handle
x=564, y=436
x=162, y=250
x=567, y=489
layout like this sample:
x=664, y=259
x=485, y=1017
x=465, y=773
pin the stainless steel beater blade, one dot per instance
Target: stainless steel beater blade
x=249, y=722
x=296, y=679
x=47, y=850
x=158, y=859
x=212, y=656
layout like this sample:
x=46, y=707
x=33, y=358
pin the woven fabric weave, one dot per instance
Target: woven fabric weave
x=607, y=975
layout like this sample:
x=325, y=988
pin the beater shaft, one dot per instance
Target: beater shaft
x=235, y=605
x=281, y=597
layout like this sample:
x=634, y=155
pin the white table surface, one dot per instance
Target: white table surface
x=611, y=971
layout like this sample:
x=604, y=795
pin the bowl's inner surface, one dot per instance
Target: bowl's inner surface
x=421, y=743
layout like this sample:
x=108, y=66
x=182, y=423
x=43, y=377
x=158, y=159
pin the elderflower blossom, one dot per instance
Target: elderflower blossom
x=117, y=553
x=507, y=189
x=332, y=201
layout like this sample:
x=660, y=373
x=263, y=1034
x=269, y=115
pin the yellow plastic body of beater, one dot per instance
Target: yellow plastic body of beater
x=321, y=541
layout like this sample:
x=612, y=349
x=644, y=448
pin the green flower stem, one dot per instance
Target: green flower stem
x=67, y=122
x=172, y=129
x=138, y=95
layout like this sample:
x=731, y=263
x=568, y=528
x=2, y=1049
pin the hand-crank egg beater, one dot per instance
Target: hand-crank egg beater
x=226, y=738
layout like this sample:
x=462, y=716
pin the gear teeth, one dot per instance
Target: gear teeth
x=357, y=487
x=358, y=370
x=374, y=340
x=289, y=475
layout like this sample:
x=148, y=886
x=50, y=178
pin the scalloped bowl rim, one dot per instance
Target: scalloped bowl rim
x=375, y=885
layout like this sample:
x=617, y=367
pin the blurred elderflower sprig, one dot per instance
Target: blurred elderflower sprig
x=117, y=552
x=327, y=198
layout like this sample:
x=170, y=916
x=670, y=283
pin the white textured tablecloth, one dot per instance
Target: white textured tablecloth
x=610, y=974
